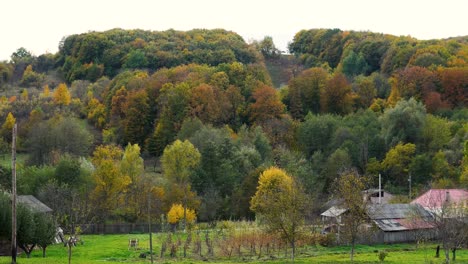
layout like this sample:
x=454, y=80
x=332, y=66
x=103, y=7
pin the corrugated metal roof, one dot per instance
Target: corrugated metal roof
x=395, y=211
x=399, y=217
x=33, y=203
x=390, y=225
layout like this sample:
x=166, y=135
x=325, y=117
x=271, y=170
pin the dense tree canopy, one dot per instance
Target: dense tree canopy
x=97, y=121
x=137, y=49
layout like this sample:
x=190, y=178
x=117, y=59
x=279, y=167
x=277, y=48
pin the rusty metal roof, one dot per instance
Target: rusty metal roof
x=398, y=217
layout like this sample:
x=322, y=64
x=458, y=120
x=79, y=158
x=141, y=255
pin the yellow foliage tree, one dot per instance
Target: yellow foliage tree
x=178, y=162
x=62, y=95
x=9, y=122
x=280, y=203
x=46, y=91
x=394, y=96
x=8, y=126
x=111, y=184
x=96, y=112
x=24, y=95
x=176, y=214
x=397, y=161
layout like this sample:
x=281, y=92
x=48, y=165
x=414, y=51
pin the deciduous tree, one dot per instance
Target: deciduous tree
x=280, y=203
x=403, y=123
x=349, y=187
x=267, y=105
x=176, y=214
x=61, y=95
x=137, y=123
x=110, y=184
x=306, y=90
x=132, y=167
x=7, y=126
x=397, y=162
x=178, y=161
x=337, y=96
x=45, y=231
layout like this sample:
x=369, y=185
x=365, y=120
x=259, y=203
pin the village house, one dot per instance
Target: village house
x=394, y=223
x=446, y=203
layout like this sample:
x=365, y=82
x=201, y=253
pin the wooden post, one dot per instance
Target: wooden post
x=409, y=181
x=13, y=197
x=149, y=227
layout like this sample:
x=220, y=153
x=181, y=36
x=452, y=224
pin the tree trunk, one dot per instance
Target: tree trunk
x=185, y=207
x=352, y=250
x=69, y=252
x=454, y=252
x=447, y=255
x=293, y=245
x=437, y=251
x=44, y=251
x=28, y=250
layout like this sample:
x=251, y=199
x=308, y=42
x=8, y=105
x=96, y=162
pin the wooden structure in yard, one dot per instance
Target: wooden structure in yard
x=133, y=243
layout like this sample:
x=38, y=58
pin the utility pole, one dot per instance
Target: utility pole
x=380, y=189
x=409, y=180
x=149, y=227
x=13, y=197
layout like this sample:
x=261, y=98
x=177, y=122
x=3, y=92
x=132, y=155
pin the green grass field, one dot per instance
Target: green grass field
x=114, y=249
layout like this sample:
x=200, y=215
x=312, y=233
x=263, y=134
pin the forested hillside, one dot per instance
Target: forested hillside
x=100, y=120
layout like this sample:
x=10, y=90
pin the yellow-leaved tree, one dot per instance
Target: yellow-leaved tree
x=131, y=166
x=8, y=126
x=46, y=91
x=176, y=214
x=280, y=203
x=178, y=162
x=110, y=183
x=61, y=95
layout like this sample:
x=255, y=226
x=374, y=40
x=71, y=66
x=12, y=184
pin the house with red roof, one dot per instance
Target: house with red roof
x=443, y=202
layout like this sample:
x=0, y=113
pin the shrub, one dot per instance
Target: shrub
x=382, y=255
x=327, y=240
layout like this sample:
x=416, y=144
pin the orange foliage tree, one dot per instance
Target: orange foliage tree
x=454, y=82
x=267, y=104
x=337, y=97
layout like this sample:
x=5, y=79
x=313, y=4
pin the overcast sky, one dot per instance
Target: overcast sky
x=39, y=25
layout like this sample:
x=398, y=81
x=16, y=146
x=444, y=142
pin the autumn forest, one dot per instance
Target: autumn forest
x=106, y=121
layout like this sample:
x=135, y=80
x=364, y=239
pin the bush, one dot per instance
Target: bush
x=327, y=240
x=382, y=255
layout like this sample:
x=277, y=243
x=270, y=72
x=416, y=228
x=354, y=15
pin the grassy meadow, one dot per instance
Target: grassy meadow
x=114, y=249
